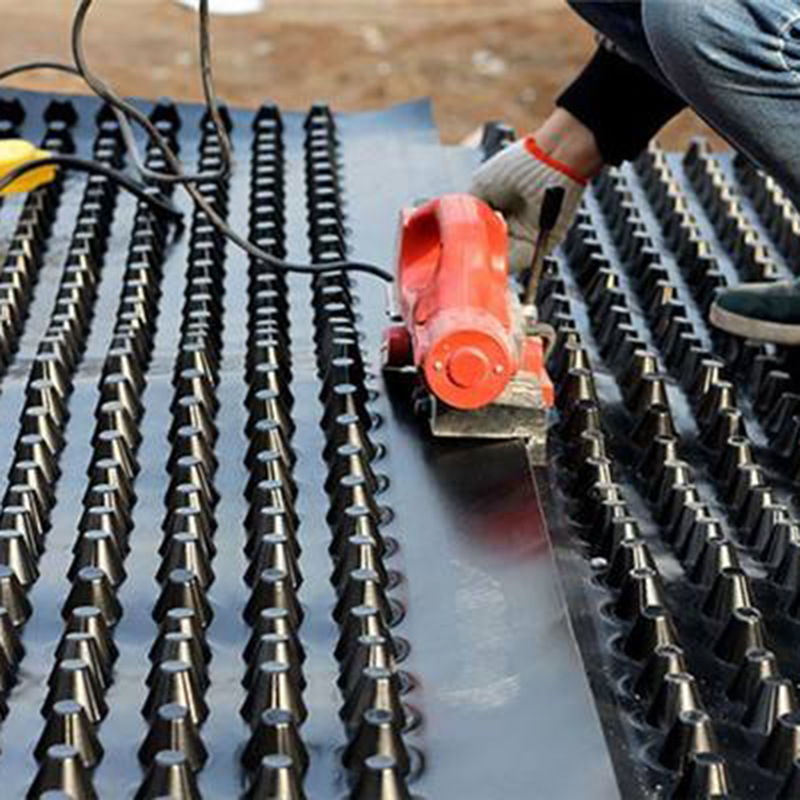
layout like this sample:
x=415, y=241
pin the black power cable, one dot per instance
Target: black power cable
x=127, y=131
x=127, y=113
x=95, y=168
x=89, y=166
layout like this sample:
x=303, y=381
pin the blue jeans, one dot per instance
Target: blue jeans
x=736, y=62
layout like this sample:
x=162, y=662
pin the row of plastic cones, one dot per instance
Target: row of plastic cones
x=376, y=717
x=69, y=747
x=275, y=757
x=23, y=259
x=173, y=750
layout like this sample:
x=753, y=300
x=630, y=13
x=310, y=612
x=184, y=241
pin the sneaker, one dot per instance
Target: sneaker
x=768, y=312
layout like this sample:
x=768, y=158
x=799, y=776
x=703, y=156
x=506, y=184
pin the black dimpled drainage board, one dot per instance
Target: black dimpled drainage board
x=235, y=564
x=231, y=562
x=677, y=465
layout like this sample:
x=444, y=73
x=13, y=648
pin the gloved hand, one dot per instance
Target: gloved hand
x=514, y=182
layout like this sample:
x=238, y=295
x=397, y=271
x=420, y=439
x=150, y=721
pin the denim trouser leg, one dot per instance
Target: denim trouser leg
x=737, y=62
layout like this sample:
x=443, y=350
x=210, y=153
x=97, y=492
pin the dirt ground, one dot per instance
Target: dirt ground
x=478, y=60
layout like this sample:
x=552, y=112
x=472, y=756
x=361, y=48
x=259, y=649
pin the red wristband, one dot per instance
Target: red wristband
x=538, y=153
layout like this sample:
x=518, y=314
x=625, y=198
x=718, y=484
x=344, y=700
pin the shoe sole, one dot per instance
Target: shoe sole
x=748, y=328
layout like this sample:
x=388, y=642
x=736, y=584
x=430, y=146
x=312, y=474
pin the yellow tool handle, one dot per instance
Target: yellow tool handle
x=17, y=152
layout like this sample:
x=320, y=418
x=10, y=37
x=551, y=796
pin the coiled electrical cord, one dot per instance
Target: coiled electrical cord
x=127, y=114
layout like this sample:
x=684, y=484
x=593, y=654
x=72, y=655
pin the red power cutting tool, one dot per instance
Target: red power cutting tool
x=478, y=351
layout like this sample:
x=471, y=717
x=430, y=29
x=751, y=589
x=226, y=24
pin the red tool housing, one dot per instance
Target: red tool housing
x=462, y=327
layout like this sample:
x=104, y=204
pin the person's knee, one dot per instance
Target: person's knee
x=698, y=41
x=667, y=26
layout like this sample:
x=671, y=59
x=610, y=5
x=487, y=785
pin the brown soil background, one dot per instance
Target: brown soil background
x=478, y=60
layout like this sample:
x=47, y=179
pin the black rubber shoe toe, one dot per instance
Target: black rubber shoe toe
x=768, y=312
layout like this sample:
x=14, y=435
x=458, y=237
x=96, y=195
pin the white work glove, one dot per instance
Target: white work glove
x=514, y=182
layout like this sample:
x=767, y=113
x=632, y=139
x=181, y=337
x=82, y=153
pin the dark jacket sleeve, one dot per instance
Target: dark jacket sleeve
x=620, y=103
